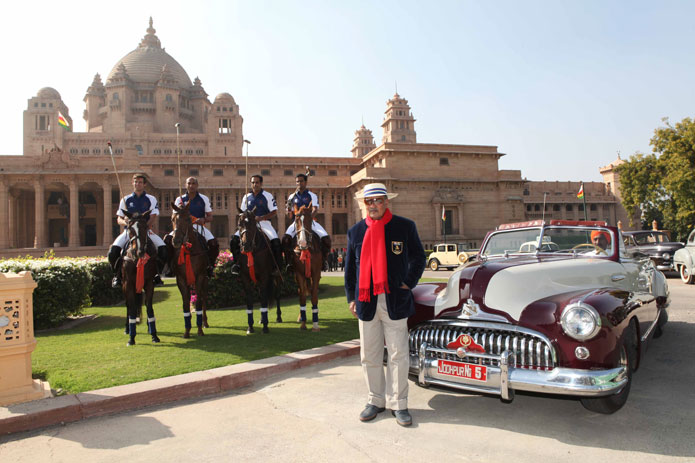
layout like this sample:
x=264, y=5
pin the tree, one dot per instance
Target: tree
x=662, y=183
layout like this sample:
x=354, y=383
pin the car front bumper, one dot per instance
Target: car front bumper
x=504, y=379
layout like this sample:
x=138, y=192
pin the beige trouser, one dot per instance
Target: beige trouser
x=390, y=390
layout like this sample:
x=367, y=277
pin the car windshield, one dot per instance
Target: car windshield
x=582, y=241
x=650, y=238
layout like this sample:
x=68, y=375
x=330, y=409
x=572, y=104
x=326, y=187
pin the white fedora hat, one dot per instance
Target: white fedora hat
x=375, y=189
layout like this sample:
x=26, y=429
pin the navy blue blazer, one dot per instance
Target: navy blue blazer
x=405, y=260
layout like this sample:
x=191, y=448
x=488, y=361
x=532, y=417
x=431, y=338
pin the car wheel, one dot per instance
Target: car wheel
x=628, y=357
x=434, y=265
x=686, y=275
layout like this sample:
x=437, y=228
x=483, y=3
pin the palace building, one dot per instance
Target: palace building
x=62, y=192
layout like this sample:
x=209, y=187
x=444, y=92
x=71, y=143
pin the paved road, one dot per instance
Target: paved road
x=311, y=415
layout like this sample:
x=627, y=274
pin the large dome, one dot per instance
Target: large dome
x=145, y=63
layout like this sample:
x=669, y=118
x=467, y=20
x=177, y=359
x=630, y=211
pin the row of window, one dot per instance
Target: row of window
x=95, y=151
x=568, y=207
x=173, y=151
x=43, y=105
x=220, y=200
x=225, y=109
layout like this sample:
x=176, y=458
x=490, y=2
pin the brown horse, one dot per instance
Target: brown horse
x=189, y=263
x=304, y=254
x=138, y=270
x=257, y=265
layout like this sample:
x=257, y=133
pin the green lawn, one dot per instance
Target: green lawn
x=94, y=354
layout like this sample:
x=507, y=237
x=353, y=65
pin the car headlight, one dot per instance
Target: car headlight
x=580, y=321
x=666, y=255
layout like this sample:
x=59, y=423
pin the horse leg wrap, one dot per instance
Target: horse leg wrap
x=151, y=326
x=302, y=313
x=249, y=316
x=264, y=316
x=199, y=318
x=315, y=313
x=187, y=320
x=132, y=324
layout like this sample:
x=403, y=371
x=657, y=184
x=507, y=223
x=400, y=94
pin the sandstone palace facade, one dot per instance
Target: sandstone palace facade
x=62, y=192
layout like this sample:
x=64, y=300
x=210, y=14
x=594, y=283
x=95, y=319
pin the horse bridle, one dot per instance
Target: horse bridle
x=246, y=217
x=185, y=232
x=302, y=233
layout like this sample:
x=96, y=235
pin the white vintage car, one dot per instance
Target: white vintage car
x=574, y=318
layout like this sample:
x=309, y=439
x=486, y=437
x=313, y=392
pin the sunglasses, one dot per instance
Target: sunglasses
x=377, y=201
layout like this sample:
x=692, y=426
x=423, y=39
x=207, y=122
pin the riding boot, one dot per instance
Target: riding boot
x=325, y=248
x=276, y=247
x=289, y=252
x=235, y=248
x=116, y=262
x=161, y=262
x=213, y=252
x=152, y=329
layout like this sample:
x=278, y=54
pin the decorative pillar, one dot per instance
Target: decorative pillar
x=74, y=239
x=39, y=214
x=108, y=213
x=4, y=216
x=460, y=214
x=17, y=341
x=12, y=219
x=438, y=232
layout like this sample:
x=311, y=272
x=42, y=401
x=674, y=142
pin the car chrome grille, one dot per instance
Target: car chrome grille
x=531, y=351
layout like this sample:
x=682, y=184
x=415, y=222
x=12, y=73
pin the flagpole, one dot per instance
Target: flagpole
x=584, y=200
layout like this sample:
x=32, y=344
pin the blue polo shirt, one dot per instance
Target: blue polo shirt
x=134, y=203
x=263, y=202
x=304, y=198
x=200, y=205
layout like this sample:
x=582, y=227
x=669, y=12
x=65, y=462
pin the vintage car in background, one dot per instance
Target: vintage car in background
x=656, y=244
x=684, y=260
x=574, y=319
x=450, y=255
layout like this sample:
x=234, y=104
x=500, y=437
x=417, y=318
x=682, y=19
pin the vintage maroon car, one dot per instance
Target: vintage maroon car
x=570, y=315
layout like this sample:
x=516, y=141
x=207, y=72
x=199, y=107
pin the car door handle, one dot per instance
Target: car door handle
x=617, y=277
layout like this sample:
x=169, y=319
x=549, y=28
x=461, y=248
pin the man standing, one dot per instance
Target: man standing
x=265, y=208
x=304, y=197
x=139, y=202
x=201, y=211
x=384, y=261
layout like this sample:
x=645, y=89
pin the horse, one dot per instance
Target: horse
x=257, y=265
x=189, y=262
x=304, y=253
x=138, y=270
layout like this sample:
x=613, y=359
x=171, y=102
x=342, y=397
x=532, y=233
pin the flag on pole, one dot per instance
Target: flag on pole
x=63, y=122
x=443, y=214
x=580, y=193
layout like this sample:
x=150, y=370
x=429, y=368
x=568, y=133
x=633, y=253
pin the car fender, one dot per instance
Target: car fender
x=615, y=307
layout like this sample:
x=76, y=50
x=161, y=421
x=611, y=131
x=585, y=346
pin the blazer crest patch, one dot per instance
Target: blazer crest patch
x=397, y=247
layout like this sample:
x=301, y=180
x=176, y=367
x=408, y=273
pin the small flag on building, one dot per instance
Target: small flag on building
x=443, y=214
x=63, y=122
x=580, y=193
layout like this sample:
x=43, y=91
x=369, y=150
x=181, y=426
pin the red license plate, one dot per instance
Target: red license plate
x=462, y=370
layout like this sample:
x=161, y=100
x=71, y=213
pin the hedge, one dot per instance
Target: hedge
x=62, y=287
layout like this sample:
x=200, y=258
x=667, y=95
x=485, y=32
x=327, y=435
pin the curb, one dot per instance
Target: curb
x=74, y=407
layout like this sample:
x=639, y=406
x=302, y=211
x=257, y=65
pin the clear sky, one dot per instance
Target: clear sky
x=558, y=86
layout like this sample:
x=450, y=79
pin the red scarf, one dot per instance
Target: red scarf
x=373, y=258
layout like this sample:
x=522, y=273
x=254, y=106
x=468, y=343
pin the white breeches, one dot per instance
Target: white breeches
x=122, y=239
x=314, y=227
x=267, y=228
x=207, y=234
